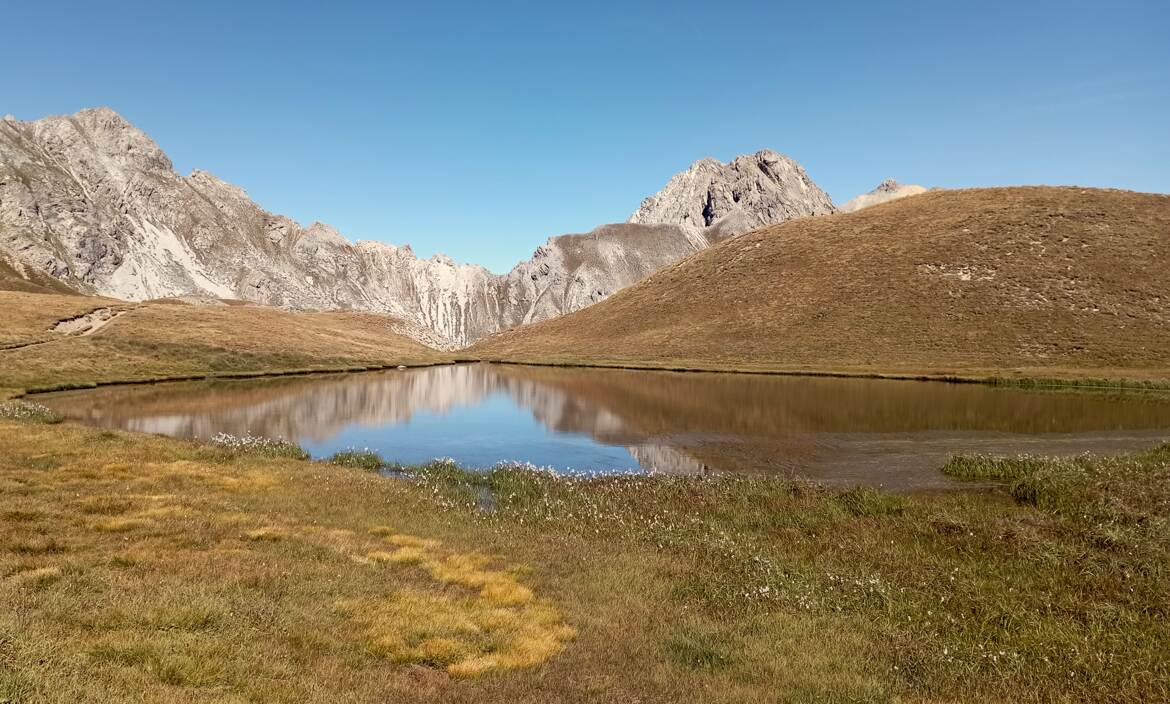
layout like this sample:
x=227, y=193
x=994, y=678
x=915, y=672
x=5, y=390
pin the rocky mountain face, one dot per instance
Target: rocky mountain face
x=712, y=200
x=886, y=191
x=94, y=203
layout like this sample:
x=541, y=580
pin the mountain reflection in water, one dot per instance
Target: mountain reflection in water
x=892, y=433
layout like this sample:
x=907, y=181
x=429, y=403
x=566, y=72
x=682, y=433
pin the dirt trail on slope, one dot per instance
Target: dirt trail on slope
x=78, y=326
x=88, y=323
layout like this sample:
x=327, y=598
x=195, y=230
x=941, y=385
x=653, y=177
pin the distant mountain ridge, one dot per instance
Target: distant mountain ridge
x=95, y=204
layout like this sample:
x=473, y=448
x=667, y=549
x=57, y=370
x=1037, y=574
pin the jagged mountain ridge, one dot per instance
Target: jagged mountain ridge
x=94, y=203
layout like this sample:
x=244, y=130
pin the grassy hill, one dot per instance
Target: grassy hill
x=1034, y=281
x=161, y=339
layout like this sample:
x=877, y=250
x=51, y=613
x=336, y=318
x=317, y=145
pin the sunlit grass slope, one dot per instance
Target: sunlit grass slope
x=29, y=280
x=168, y=338
x=137, y=568
x=1033, y=281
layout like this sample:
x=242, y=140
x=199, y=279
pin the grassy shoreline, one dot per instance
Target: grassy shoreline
x=1051, y=383
x=221, y=376
x=178, y=571
x=172, y=341
x=1158, y=383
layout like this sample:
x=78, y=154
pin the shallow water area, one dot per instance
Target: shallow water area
x=838, y=431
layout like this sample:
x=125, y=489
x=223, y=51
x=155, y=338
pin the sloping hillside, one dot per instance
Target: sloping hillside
x=1059, y=281
x=51, y=340
x=17, y=277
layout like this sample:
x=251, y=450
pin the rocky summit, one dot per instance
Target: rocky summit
x=712, y=200
x=886, y=191
x=94, y=203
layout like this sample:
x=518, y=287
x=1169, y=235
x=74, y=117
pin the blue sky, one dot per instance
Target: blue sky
x=480, y=129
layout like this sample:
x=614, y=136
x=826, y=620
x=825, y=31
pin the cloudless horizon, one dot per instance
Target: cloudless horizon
x=479, y=130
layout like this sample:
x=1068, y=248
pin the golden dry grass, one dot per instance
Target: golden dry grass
x=1060, y=282
x=499, y=626
x=183, y=573
x=30, y=317
x=138, y=568
x=162, y=339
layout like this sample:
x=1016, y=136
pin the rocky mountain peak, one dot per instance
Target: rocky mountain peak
x=206, y=179
x=93, y=136
x=103, y=115
x=887, y=190
x=712, y=199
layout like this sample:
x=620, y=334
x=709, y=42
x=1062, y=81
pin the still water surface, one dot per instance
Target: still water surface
x=841, y=431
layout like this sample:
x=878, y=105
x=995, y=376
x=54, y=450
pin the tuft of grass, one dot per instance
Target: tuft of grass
x=38, y=578
x=125, y=654
x=358, y=459
x=269, y=534
x=987, y=467
x=187, y=617
x=868, y=502
x=38, y=545
x=120, y=525
x=105, y=505
x=698, y=651
x=182, y=670
x=259, y=446
x=15, y=688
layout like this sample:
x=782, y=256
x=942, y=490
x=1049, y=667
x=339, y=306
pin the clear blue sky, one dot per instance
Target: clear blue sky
x=481, y=128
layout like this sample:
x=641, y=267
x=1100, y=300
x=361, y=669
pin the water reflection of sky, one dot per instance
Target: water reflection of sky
x=852, y=431
x=480, y=434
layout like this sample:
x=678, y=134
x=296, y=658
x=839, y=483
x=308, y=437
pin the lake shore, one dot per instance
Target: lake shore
x=204, y=572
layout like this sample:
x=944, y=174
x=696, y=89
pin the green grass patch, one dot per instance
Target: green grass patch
x=865, y=501
x=988, y=467
x=258, y=446
x=699, y=651
x=358, y=459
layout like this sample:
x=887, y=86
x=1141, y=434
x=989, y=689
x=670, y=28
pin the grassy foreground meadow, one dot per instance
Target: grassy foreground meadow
x=139, y=568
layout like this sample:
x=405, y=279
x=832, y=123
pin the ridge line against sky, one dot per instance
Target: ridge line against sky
x=480, y=131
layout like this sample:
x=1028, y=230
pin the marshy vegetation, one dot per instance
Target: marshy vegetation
x=175, y=571
x=360, y=459
x=28, y=412
x=259, y=446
